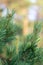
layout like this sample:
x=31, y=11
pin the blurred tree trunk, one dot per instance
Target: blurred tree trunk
x=25, y=26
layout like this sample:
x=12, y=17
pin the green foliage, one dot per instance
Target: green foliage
x=8, y=30
x=26, y=52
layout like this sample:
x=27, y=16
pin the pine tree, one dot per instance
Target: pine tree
x=26, y=52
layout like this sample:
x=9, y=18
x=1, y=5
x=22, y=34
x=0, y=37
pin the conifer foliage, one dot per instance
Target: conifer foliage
x=26, y=52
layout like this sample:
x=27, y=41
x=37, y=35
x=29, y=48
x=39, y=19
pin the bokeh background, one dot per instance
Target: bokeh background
x=26, y=13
